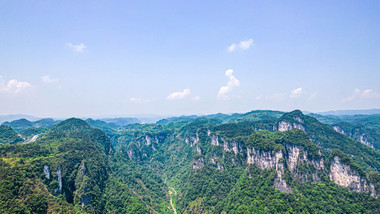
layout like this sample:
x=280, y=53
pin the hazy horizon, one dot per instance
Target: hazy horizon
x=91, y=59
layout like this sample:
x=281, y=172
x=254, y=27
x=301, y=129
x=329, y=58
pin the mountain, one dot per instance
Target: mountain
x=351, y=112
x=101, y=124
x=11, y=117
x=22, y=124
x=121, y=121
x=258, y=162
x=8, y=135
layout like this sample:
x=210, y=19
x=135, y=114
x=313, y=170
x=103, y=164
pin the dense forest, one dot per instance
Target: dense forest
x=257, y=162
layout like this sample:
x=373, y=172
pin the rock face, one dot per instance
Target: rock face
x=198, y=163
x=297, y=158
x=147, y=140
x=83, y=168
x=342, y=174
x=356, y=134
x=285, y=126
x=47, y=171
x=214, y=140
x=199, y=150
x=338, y=129
x=363, y=139
x=280, y=183
x=193, y=140
x=59, y=177
x=219, y=166
x=269, y=160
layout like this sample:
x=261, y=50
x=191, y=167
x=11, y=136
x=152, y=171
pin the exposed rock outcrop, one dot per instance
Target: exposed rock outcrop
x=193, y=140
x=47, y=171
x=199, y=150
x=214, y=140
x=269, y=160
x=198, y=162
x=83, y=168
x=338, y=129
x=285, y=126
x=59, y=178
x=148, y=140
x=356, y=133
x=235, y=147
x=301, y=166
x=343, y=175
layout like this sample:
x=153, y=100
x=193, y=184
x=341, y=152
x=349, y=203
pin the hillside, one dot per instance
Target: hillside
x=8, y=135
x=258, y=162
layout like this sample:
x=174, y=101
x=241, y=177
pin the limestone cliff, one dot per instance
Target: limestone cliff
x=270, y=160
x=302, y=167
x=285, y=126
x=342, y=174
x=198, y=162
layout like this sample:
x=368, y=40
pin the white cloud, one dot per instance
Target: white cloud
x=76, y=48
x=243, y=45
x=365, y=94
x=232, y=83
x=140, y=100
x=47, y=79
x=179, y=94
x=296, y=93
x=232, y=48
x=13, y=86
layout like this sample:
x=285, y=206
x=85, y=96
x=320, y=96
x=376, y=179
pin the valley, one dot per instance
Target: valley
x=257, y=162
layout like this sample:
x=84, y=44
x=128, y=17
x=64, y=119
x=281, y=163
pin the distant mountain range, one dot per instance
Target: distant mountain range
x=148, y=118
x=351, y=112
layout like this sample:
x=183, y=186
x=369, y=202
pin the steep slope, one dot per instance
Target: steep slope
x=8, y=136
x=368, y=136
x=66, y=169
x=326, y=137
x=214, y=167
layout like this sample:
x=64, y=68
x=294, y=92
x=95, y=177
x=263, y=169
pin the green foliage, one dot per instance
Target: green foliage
x=344, y=158
x=128, y=169
x=265, y=141
x=326, y=137
x=300, y=138
x=8, y=136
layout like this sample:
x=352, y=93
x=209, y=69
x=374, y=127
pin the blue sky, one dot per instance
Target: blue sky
x=114, y=58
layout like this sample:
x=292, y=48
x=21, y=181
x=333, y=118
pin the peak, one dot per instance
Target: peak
x=71, y=124
x=296, y=112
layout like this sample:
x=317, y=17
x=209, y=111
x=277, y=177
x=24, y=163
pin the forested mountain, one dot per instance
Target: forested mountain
x=8, y=135
x=22, y=124
x=258, y=162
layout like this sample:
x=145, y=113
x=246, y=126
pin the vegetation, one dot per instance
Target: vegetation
x=95, y=166
x=8, y=136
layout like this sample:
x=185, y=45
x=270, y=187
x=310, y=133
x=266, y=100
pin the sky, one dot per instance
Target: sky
x=122, y=58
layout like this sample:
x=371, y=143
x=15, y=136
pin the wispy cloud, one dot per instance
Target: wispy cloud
x=140, y=100
x=179, y=94
x=13, y=86
x=363, y=94
x=296, y=93
x=76, y=48
x=242, y=45
x=196, y=98
x=232, y=83
x=47, y=79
